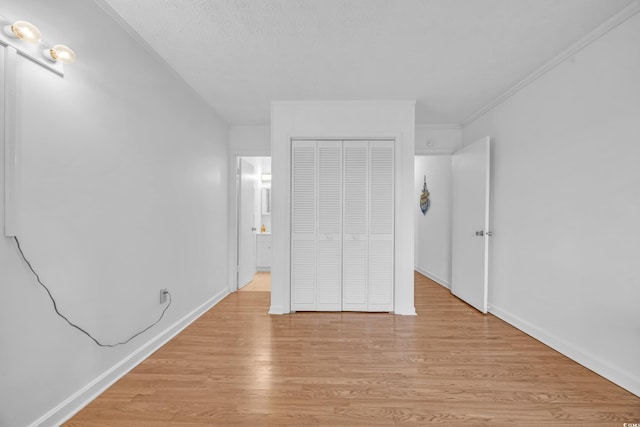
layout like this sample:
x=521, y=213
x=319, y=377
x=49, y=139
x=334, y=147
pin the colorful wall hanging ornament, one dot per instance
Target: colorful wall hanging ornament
x=425, y=202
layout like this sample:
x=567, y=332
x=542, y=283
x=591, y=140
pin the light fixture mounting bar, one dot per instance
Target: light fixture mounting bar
x=32, y=51
x=11, y=155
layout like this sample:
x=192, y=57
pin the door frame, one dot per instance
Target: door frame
x=281, y=298
x=232, y=232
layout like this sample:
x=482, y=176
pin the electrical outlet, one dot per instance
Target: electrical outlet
x=163, y=295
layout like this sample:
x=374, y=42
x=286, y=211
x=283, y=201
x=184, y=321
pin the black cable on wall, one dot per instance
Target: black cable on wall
x=55, y=307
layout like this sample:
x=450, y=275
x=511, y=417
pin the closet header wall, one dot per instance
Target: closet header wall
x=341, y=122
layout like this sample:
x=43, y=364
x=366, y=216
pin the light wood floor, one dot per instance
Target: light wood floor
x=261, y=283
x=238, y=366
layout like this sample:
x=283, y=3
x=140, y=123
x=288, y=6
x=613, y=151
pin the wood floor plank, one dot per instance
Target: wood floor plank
x=238, y=366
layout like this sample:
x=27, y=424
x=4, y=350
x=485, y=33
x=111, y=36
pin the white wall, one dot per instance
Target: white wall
x=342, y=119
x=250, y=140
x=432, y=254
x=265, y=219
x=124, y=191
x=438, y=139
x=566, y=209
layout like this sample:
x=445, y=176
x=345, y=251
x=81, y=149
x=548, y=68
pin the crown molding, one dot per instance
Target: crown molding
x=344, y=102
x=135, y=35
x=441, y=126
x=102, y=4
x=611, y=23
x=434, y=151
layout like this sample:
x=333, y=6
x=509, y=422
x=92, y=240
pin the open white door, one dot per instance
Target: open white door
x=246, y=224
x=470, y=240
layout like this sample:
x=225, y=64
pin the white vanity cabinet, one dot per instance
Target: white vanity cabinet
x=263, y=252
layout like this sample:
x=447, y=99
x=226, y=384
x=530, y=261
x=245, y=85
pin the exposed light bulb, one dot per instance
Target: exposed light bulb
x=24, y=31
x=60, y=53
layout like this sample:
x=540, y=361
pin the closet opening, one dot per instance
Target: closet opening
x=342, y=225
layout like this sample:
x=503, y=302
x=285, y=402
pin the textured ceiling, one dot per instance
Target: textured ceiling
x=452, y=56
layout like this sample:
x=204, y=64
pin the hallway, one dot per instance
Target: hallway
x=236, y=365
x=261, y=283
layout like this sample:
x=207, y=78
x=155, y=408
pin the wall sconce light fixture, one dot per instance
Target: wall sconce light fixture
x=60, y=53
x=23, y=30
x=26, y=39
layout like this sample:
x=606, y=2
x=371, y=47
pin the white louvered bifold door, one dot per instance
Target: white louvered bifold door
x=303, y=225
x=329, y=265
x=381, y=226
x=355, y=226
x=342, y=225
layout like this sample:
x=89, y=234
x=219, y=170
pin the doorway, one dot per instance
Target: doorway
x=432, y=252
x=452, y=229
x=253, y=223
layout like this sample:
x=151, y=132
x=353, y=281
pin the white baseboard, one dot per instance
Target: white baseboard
x=240, y=286
x=624, y=379
x=433, y=277
x=408, y=310
x=403, y=311
x=72, y=405
x=276, y=309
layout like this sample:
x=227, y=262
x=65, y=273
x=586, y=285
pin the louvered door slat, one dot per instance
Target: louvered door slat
x=355, y=229
x=303, y=275
x=354, y=278
x=330, y=187
x=381, y=208
x=329, y=283
x=380, y=275
x=303, y=225
x=381, y=216
x=355, y=187
x=303, y=191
